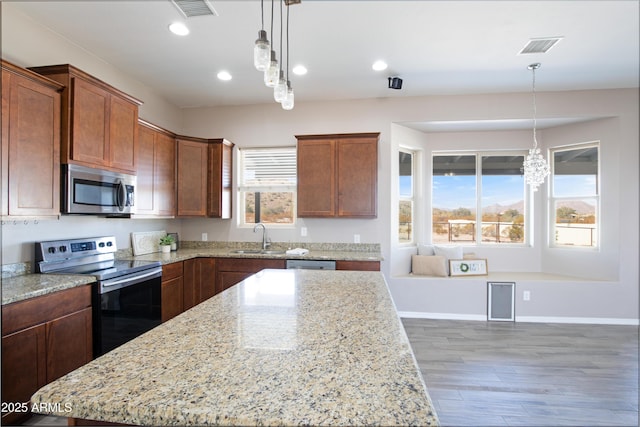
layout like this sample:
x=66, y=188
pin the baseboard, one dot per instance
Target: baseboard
x=581, y=320
x=530, y=319
x=441, y=316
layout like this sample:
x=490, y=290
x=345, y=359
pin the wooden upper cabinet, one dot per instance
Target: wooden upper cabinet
x=357, y=177
x=338, y=175
x=156, y=178
x=204, y=177
x=99, y=122
x=123, y=134
x=90, y=124
x=316, y=178
x=192, y=178
x=31, y=109
x=220, y=179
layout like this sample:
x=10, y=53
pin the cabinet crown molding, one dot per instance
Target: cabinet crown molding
x=76, y=72
x=339, y=136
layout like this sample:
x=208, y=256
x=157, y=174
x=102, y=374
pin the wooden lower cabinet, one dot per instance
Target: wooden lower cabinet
x=187, y=284
x=172, y=291
x=199, y=281
x=24, y=370
x=358, y=265
x=43, y=338
x=69, y=343
x=230, y=271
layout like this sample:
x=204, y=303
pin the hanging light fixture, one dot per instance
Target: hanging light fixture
x=265, y=59
x=280, y=90
x=536, y=168
x=287, y=102
x=271, y=73
x=261, y=49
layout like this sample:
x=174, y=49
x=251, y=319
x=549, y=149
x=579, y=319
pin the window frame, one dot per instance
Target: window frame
x=411, y=198
x=527, y=199
x=552, y=199
x=244, y=187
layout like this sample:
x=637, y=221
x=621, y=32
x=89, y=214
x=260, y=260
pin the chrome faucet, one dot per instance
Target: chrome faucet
x=266, y=242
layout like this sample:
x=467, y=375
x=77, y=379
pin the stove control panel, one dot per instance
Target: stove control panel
x=60, y=250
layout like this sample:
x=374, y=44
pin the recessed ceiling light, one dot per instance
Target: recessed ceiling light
x=224, y=75
x=179, y=29
x=379, y=65
x=300, y=70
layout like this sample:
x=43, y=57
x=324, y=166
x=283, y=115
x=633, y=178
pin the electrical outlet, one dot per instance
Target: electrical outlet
x=526, y=295
x=303, y=231
x=204, y=237
x=356, y=238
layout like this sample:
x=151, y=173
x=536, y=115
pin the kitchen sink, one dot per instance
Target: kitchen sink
x=257, y=251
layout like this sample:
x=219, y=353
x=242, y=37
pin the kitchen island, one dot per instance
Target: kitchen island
x=283, y=347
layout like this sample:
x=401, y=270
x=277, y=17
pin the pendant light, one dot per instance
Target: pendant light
x=280, y=89
x=536, y=168
x=261, y=49
x=274, y=76
x=271, y=74
x=287, y=102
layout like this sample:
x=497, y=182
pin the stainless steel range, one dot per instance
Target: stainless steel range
x=126, y=296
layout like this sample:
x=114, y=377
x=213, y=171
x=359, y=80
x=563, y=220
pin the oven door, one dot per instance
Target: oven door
x=95, y=191
x=126, y=307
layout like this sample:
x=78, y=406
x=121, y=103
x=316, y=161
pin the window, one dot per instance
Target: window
x=478, y=198
x=574, y=197
x=267, y=185
x=406, y=191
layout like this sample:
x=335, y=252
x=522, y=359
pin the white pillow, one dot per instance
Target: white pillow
x=425, y=250
x=448, y=252
x=428, y=265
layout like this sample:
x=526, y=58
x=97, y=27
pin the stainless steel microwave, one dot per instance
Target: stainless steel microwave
x=97, y=192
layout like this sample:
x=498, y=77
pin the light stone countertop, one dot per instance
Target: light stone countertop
x=283, y=347
x=27, y=286
x=23, y=287
x=185, y=254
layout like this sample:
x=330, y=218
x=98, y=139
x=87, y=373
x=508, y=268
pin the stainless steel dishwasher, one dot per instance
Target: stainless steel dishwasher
x=311, y=264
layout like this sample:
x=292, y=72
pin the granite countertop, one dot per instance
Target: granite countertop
x=185, y=254
x=27, y=286
x=285, y=347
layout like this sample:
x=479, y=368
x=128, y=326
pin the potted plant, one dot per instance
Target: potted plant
x=165, y=243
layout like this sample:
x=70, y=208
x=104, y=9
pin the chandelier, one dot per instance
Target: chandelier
x=265, y=59
x=536, y=168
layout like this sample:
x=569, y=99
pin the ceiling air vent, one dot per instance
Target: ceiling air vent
x=191, y=8
x=541, y=45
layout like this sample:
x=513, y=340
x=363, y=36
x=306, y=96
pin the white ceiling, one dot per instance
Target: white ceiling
x=436, y=47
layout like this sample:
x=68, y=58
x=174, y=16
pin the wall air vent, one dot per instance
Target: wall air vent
x=191, y=8
x=540, y=45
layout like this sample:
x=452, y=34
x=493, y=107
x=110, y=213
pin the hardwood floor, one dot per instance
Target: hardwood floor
x=528, y=374
x=522, y=374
